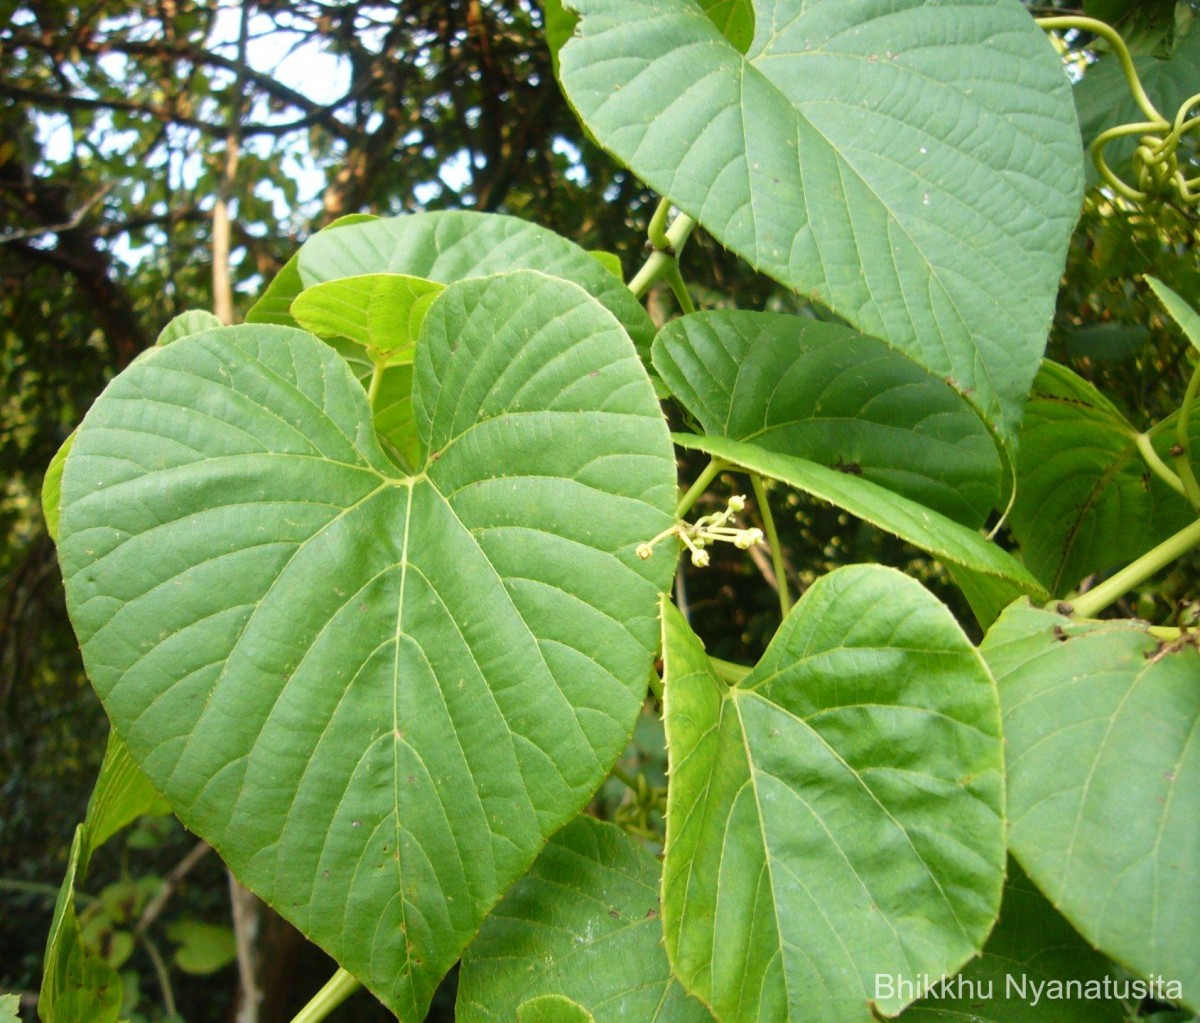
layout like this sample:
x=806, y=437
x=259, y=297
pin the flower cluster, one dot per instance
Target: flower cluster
x=706, y=530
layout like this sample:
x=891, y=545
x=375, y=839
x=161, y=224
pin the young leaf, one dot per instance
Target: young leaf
x=190, y=322
x=376, y=695
x=829, y=394
x=1100, y=723
x=274, y=305
x=1031, y=948
x=584, y=923
x=950, y=541
x=833, y=156
x=10, y=1006
x=454, y=245
x=807, y=849
x=381, y=312
x=1086, y=501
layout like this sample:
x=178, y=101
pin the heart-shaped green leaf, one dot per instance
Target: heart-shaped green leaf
x=829, y=394
x=1086, y=501
x=376, y=694
x=807, y=846
x=583, y=923
x=1032, y=950
x=911, y=166
x=1101, y=724
x=381, y=312
x=453, y=245
x=1000, y=577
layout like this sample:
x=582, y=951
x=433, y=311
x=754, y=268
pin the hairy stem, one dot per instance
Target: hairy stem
x=1116, y=586
x=337, y=989
x=768, y=520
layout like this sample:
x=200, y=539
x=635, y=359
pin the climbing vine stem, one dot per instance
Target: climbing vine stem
x=1157, y=465
x=1116, y=586
x=675, y=279
x=764, y=509
x=661, y=261
x=1113, y=38
x=710, y=473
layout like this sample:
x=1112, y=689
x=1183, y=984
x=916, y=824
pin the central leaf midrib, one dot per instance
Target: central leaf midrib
x=398, y=859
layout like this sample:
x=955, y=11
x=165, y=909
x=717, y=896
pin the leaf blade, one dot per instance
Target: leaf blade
x=801, y=158
x=778, y=902
x=286, y=563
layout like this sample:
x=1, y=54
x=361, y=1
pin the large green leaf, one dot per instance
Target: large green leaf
x=583, y=923
x=914, y=167
x=808, y=848
x=1104, y=100
x=1031, y=952
x=1086, y=501
x=999, y=576
x=453, y=245
x=1101, y=722
x=375, y=694
x=829, y=394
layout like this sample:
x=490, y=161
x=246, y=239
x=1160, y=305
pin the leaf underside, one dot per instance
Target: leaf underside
x=913, y=165
x=829, y=394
